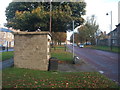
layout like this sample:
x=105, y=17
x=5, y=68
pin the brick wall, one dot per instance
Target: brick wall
x=31, y=50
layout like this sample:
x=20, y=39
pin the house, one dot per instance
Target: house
x=68, y=42
x=115, y=36
x=102, y=39
x=110, y=39
x=118, y=34
x=6, y=37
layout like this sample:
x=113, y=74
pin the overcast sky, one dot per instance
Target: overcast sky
x=99, y=8
x=3, y=5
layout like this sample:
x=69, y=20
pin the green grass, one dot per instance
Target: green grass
x=6, y=55
x=61, y=47
x=61, y=54
x=106, y=48
x=25, y=78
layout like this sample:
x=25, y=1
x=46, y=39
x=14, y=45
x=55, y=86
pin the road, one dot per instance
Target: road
x=6, y=50
x=6, y=63
x=103, y=61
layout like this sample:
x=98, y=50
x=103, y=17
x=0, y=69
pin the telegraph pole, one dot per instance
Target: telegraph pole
x=50, y=15
x=73, y=39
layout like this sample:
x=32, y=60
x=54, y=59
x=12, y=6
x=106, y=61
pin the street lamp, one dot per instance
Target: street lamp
x=73, y=39
x=74, y=36
x=110, y=30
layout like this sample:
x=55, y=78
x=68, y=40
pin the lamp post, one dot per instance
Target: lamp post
x=110, y=30
x=73, y=22
x=73, y=39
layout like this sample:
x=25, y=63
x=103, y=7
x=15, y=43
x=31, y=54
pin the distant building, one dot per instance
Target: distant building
x=103, y=39
x=115, y=36
x=68, y=42
x=112, y=38
x=6, y=37
x=118, y=34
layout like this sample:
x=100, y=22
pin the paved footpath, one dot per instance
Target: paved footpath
x=83, y=67
x=63, y=67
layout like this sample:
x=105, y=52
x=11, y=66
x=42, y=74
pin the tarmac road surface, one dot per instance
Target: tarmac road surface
x=6, y=63
x=103, y=61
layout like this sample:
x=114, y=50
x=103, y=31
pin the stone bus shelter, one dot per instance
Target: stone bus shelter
x=31, y=50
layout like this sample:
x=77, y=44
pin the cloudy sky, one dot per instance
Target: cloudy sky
x=99, y=8
x=3, y=5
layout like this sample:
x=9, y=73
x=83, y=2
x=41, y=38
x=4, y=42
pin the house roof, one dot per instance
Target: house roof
x=114, y=29
x=5, y=30
x=118, y=25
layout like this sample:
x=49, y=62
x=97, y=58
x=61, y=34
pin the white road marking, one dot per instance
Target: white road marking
x=101, y=72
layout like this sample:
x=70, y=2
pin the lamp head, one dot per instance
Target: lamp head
x=107, y=14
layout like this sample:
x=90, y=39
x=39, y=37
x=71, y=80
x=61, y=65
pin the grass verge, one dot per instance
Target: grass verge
x=25, y=78
x=60, y=53
x=6, y=55
x=106, y=48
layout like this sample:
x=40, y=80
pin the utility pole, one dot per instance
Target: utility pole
x=73, y=38
x=50, y=15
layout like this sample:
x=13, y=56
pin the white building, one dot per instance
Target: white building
x=6, y=37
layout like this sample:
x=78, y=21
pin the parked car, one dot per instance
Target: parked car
x=87, y=43
x=75, y=44
x=2, y=47
x=81, y=45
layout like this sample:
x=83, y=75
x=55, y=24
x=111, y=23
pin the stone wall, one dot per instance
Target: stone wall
x=31, y=50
